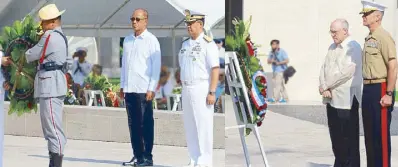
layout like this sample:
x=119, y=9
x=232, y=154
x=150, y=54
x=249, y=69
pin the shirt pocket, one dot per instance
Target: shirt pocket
x=45, y=82
x=372, y=51
x=372, y=54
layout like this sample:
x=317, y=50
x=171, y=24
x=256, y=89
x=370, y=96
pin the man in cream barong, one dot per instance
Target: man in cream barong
x=340, y=84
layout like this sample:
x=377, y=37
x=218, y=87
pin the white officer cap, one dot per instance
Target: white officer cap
x=81, y=49
x=191, y=16
x=369, y=6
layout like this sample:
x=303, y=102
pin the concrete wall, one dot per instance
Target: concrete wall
x=109, y=124
x=303, y=29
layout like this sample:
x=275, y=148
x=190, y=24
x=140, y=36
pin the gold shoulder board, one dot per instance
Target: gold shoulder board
x=207, y=38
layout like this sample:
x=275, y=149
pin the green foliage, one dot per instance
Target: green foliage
x=22, y=80
x=177, y=90
x=101, y=82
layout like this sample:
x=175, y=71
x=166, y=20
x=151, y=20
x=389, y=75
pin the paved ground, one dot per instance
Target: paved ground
x=288, y=141
x=316, y=113
x=29, y=151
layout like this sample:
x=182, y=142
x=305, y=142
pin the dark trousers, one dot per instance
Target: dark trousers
x=344, y=134
x=376, y=124
x=141, y=124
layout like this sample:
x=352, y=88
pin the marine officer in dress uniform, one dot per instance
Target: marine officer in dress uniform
x=199, y=63
x=379, y=74
x=50, y=81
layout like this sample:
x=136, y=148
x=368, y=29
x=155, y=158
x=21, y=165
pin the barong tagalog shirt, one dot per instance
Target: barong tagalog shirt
x=141, y=63
x=341, y=73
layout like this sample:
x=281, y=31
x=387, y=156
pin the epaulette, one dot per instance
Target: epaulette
x=208, y=39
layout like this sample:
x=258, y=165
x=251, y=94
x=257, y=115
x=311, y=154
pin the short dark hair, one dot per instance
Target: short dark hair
x=274, y=41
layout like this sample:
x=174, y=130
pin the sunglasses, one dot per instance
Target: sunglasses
x=189, y=23
x=367, y=13
x=137, y=19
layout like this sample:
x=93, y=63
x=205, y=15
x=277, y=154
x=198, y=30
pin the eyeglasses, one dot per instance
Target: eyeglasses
x=333, y=32
x=137, y=19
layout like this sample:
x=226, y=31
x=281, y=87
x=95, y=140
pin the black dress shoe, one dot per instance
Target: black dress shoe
x=144, y=163
x=55, y=160
x=130, y=163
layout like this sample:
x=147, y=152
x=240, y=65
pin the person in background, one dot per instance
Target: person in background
x=80, y=68
x=140, y=73
x=221, y=52
x=164, y=88
x=177, y=78
x=279, y=60
x=219, y=91
x=340, y=84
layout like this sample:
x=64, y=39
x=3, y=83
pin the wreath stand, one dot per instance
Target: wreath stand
x=91, y=97
x=234, y=76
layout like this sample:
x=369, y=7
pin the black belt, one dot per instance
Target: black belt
x=50, y=67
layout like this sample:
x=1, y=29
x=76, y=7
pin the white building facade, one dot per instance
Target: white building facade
x=303, y=30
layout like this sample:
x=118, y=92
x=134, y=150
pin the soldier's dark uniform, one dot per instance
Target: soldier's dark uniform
x=379, y=49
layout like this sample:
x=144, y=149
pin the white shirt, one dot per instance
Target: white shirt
x=80, y=75
x=197, y=58
x=342, y=74
x=165, y=90
x=140, y=63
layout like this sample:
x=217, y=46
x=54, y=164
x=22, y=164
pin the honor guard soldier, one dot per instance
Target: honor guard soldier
x=50, y=85
x=199, y=63
x=379, y=74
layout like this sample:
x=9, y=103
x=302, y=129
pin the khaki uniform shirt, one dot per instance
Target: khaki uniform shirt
x=379, y=48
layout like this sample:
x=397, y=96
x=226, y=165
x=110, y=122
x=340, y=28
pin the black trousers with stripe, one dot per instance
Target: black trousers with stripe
x=376, y=124
x=344, y=133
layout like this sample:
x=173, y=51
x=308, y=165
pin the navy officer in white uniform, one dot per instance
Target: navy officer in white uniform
x=199, y=63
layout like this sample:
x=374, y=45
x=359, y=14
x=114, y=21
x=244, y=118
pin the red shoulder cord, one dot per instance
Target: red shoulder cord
x=43, y=55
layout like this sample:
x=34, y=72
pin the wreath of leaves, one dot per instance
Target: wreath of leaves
x=18, y=43
x=17, y=39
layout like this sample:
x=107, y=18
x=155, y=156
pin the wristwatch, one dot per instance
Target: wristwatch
x=212, y=93
x=389, y=93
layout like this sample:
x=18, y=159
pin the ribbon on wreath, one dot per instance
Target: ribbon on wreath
x=258, y=95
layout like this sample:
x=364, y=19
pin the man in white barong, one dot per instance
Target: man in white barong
x=340, y=84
